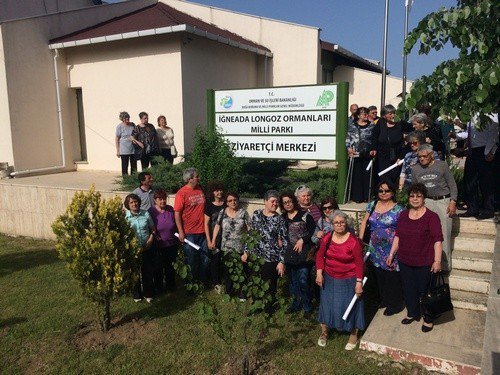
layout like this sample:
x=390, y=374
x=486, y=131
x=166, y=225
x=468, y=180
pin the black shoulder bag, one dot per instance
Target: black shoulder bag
x=437, y=300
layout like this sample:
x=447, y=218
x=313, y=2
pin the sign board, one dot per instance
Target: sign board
x=296, y=122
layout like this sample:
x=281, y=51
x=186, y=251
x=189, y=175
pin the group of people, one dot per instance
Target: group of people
x=299, y=239
x=374, y=144
x=143, y=141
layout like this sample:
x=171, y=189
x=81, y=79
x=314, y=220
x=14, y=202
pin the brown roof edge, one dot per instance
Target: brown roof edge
x=167, y=20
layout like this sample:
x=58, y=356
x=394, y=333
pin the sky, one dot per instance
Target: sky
x=357, y=25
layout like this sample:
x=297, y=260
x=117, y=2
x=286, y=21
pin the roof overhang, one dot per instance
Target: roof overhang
x=335, y=48
x=161, y=31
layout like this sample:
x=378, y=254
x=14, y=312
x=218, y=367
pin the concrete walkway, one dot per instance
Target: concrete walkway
x=103, y=181
x=454, y=346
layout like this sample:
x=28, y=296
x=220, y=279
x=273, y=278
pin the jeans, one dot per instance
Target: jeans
x=197, y=260
x=415, y=282
x=299, y=286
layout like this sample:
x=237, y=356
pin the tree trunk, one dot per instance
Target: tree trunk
x=104, y=312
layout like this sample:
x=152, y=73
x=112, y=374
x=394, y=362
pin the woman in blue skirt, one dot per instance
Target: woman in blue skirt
x=339, y=273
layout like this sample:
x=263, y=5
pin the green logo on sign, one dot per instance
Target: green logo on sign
x=325, y=98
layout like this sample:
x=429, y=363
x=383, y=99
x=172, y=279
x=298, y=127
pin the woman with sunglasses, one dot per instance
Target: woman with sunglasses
x=300, y=229
x=360, y=148
x=418, y=244
x=339, y=265
x=382, y=215
x=415, y=139
x=232, y=222
x=324, y=226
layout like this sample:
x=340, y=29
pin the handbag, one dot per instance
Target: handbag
x=173, y=151
x=437, y=300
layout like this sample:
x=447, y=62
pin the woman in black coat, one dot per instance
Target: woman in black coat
x=388, y=143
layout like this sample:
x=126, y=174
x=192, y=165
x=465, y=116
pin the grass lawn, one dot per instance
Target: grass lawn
x=45, y=327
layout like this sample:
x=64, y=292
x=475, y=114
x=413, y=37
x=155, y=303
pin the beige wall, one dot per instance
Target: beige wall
x=294, y=47
x=31, y=97
x=15, y=9
x=210, y=65
x=6, y=152
x=130, y=75
x=365, y=86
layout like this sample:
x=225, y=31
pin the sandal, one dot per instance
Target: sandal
x=322, y=339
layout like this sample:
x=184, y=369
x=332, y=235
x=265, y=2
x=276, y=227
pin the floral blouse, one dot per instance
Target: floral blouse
x=272, y=229
x=232, y=229
x=383, y=230
x=360, y=138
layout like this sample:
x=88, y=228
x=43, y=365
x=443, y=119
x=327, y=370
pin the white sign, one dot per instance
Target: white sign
x=277, y=99
x=297, y=148
x=297, y=122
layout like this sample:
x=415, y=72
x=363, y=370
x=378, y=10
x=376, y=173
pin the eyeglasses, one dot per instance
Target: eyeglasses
x=324, y=208
x=382, y=191
x=415, y=195
x=424, y=156
x=287, y=202
x=231, y=200
x=339, y=223
x=414, y=143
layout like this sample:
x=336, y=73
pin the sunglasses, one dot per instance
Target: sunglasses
x=414, y=143
x=324, y=208
x=382, y=191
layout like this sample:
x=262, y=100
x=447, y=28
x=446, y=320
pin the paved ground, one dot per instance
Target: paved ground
x=457, y=338
x=103, y=181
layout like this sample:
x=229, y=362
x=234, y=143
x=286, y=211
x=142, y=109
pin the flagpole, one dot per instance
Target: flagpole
x=405, y=56
x=384, y=53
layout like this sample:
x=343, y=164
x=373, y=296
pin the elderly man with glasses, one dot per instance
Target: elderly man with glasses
x=442, y=193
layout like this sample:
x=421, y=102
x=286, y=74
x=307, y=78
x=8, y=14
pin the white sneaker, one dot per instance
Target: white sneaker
x=218, y=289
x=149, y=300
x=137, y=299
x=322, y=340
x=350, y=346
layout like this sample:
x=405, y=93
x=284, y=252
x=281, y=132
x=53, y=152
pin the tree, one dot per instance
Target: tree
x=469, y=84
x=100, y=248
x=242, y=325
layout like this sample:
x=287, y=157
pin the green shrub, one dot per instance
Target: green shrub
x=214, y=159
x=100, y=248
x=165, y=175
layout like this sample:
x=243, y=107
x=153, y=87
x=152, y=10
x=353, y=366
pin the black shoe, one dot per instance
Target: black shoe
x=467, y=214
x=409, y=320
x=485, y=216
x=388, y=312
x=427, y=328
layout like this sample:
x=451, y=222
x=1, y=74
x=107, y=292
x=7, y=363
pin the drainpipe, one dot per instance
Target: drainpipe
x=265, y=70
x=61, y=135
